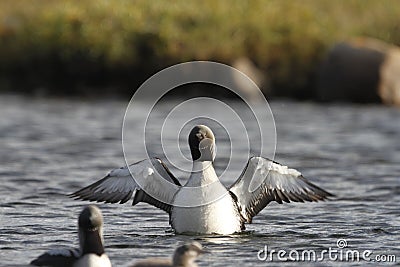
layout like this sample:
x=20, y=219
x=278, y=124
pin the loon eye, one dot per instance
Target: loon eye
x=200, y=136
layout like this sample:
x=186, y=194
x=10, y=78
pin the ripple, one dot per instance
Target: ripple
x=54, y=147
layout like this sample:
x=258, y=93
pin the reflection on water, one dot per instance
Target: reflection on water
x=53, y=147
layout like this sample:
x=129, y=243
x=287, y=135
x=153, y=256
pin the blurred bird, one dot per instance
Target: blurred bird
x=184, y=256
x=91, y=252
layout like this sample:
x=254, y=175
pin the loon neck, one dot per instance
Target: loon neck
x=91, y=241
x=203, y=173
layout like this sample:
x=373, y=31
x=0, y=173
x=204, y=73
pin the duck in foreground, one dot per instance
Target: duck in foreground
x=184, y=256
x=91, y=252
x=204, y=205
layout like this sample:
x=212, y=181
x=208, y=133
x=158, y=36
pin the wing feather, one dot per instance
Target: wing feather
x=264, y=180
x=151, y=182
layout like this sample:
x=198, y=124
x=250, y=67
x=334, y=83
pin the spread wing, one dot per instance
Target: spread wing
x=152, y=183
x=57, y=257
x=264, y=180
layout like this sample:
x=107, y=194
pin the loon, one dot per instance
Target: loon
x=91, y=252
x=204, y=205
x=184, y=256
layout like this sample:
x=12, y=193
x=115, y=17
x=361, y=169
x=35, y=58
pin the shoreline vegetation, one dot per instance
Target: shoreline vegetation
x=110, y=47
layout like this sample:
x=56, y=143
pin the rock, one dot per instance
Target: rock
x=361, y=70
x=389, y=88
x=247, y=67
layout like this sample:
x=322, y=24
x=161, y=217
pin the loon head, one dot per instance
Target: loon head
x=90, y=218
x=186, y=255
x=202, y=143
x=90, y=225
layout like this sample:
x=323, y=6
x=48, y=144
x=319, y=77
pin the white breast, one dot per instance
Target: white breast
x=218, y=217
x=93, y=260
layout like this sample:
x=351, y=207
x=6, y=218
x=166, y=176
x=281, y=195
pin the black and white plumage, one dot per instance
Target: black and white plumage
x=91, y=252
x=264, y=180
x=203, y=205
x=119, y=186
x=57, y=257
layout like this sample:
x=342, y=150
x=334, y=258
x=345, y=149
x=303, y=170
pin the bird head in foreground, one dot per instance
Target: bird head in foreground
x=186, y=255
x=90, y=218
x=202, y=143
x=90, y=225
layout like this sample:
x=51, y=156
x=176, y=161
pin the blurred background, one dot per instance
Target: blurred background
x=296, y=49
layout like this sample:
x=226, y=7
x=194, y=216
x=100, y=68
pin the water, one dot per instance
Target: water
x=53, y=147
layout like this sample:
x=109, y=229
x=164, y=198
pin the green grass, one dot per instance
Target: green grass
x=70, y=46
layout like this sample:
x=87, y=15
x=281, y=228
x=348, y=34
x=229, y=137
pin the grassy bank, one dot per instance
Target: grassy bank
x=75, y=47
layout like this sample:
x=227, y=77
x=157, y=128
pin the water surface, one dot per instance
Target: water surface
x=53, y=147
